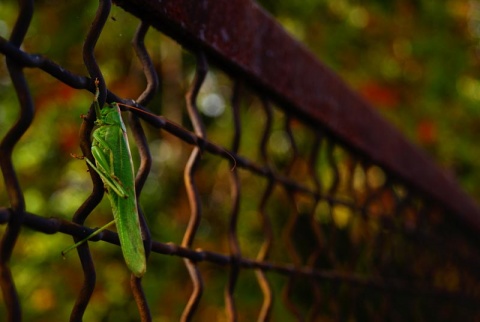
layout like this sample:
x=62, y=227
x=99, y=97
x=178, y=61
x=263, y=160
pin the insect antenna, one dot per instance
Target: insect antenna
x=156, y=116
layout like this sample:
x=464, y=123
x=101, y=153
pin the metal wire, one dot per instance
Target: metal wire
x=345, y=244
x=14, y=190
x=193, y=196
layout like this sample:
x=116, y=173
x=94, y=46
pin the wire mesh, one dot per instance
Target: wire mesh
x=286, y=217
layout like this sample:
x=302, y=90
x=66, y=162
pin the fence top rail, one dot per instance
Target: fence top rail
x=248, y=42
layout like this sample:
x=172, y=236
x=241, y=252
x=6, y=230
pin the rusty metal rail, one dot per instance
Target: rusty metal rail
x=242, y=36
x=407, y=244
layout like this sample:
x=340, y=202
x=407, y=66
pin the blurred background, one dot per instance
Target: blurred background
x=415, y=61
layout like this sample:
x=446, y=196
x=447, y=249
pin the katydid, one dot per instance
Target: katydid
x=113, y=163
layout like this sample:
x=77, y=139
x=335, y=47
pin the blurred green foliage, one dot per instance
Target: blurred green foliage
x=416, y=61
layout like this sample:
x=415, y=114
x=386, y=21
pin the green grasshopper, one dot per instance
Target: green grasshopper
x=113, y=163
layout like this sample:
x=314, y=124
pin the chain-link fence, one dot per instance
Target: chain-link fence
x=301, y=202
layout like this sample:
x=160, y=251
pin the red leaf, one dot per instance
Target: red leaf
x=379, y=95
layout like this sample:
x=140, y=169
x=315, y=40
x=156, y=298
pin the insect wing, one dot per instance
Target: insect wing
x=124, y=209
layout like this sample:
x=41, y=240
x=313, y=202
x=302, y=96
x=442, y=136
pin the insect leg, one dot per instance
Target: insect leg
x=107, y=179
x=96, y=232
